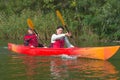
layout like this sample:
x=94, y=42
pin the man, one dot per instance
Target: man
x=59, y=39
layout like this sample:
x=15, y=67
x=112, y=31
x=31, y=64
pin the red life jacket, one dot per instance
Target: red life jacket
x=31, y=40
x=59, y=43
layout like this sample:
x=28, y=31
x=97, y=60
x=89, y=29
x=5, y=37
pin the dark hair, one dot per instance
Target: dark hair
x=29, y=28
x=60, y=27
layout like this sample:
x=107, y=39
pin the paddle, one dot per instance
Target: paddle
x=62, y=20
x=63, y=23
x=31, y=26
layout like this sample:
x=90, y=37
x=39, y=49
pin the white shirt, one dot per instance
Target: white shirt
x=61, y=36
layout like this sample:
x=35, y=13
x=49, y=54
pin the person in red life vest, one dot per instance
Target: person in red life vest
x=31, y=39
x=59, y=39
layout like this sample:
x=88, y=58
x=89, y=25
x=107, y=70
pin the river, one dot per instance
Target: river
x=22, y=67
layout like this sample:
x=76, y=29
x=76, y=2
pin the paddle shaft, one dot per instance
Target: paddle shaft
x=66, y=28
x=38, y=36
x=62, y=21
x=31, y=26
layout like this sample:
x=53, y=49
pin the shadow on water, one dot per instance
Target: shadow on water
x=55, y=68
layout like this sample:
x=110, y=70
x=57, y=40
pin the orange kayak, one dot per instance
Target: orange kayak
x=102, y=53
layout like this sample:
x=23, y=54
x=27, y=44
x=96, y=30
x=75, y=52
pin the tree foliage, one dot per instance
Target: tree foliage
x=99, y=17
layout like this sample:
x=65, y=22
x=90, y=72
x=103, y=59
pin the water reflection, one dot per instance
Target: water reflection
x=30, y=67
x=25, y=66
x=55, y=68
x=82, y=69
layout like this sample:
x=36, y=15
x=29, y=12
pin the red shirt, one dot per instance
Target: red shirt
x=31, y=40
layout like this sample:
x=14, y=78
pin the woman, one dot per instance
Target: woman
x=31, y=39
x=59, y=39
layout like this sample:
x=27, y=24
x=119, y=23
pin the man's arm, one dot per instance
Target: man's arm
x=68, y=44
x=55, y=37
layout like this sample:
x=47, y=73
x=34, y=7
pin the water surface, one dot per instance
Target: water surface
x=15, y=66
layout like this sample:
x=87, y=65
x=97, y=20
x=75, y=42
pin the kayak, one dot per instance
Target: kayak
x=102, y=53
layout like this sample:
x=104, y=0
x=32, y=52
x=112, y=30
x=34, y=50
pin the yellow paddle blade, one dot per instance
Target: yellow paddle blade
x=30, y=23
x=60, y=17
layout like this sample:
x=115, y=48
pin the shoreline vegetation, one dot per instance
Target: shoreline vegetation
x=88, y=20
